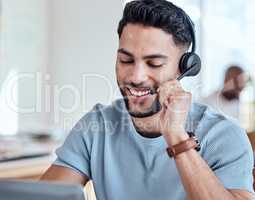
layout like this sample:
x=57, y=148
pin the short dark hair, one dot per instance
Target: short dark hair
x=236, y=68
x=159, y=14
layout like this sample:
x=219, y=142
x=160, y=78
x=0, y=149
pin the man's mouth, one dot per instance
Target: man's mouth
x=139, y=92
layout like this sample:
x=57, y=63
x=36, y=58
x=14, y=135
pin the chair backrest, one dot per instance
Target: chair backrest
x=251, y=137
x=254, y=178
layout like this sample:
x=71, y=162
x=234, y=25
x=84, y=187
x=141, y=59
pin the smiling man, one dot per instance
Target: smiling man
x=143, y=146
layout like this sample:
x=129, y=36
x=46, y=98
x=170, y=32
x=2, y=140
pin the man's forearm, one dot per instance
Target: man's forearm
x=199, y=180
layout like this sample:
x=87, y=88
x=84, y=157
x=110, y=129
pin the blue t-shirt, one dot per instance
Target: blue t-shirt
x=124, y=165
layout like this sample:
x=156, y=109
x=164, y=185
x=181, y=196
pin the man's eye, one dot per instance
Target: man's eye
x=154, y=65
x=127, y=61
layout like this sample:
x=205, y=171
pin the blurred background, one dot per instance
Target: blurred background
x=58, y=56
x=58, y=59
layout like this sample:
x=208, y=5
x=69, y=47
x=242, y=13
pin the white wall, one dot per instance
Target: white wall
x=24, y=40
x=83, y=42
x=52, y=45
x=66, y=40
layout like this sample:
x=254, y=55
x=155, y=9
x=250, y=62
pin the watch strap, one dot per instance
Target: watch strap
x=184, y=146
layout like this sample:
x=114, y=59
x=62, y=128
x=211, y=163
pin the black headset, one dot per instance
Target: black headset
x=190, y=62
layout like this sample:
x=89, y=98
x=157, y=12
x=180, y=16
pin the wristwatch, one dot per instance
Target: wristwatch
x=192, y=135
x=186, y=145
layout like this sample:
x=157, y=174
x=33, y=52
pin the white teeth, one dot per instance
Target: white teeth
x=138, y=93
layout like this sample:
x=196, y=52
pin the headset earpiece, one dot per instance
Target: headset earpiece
x=190, y=64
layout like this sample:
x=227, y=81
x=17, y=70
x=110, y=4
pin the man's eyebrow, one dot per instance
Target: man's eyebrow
x=123, y=51
x=152, y=56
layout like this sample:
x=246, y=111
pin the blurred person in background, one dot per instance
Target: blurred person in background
x=227, y=100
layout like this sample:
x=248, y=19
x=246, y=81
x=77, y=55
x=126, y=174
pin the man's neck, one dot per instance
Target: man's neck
x=148, y=126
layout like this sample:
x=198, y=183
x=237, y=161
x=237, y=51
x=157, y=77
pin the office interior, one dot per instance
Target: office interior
x=58, y=60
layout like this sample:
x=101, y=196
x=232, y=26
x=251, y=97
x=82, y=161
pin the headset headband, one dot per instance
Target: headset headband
x=192, y=32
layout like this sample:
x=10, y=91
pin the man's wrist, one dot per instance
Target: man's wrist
x=182, y=147
x=176, y=136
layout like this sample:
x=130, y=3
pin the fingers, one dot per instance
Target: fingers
x=175, y=108
x=170, y=86
x=178, y=98
x=167, y=89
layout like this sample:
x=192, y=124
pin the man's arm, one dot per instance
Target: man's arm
x=200, y=182
x=63, y=174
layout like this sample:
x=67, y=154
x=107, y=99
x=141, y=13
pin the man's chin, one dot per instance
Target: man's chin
x=141, y=114
x=138, y=111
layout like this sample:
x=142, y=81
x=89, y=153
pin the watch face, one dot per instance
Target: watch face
x=198, y=148
x=171, y=152
x=191, y=134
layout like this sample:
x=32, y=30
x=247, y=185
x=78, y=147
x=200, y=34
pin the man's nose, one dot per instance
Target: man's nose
x=139, y=74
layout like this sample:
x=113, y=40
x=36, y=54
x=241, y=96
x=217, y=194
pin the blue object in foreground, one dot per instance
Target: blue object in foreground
x=18, y=190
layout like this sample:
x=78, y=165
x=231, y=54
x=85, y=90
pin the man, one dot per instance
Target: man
x=122, y=147
x=227, y=99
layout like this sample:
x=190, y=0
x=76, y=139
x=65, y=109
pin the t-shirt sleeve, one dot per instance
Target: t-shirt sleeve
x=229, y=154
x=75, y=153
